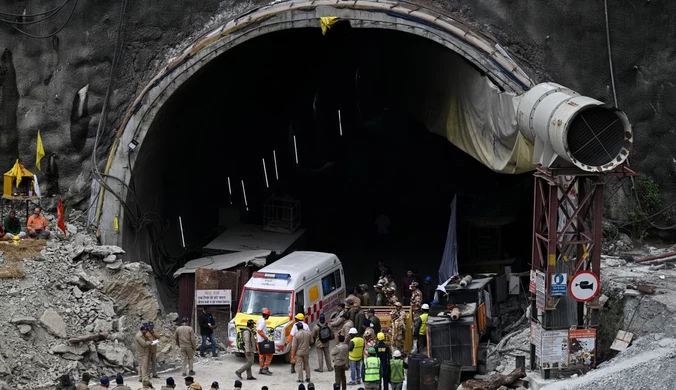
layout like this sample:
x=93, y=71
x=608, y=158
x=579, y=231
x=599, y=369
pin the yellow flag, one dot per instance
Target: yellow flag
x=326, y=22
x=39, y=151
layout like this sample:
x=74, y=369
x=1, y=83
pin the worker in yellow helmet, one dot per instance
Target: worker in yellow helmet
x=384, y=354
x=300, y=317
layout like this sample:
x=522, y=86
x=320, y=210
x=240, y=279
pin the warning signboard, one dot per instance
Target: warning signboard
x=554, y=348
x=541, y=292
x=559, y=284
x=582, y=347
x=531, y=285
x=584, y=286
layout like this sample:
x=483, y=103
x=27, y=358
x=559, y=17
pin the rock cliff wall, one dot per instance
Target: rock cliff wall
x=57, y=84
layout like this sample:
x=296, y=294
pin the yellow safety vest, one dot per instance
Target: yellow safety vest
x=372, y=369
x=423, y=324
x=358, y=351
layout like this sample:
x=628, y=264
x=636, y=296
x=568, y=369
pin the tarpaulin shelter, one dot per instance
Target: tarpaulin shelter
x=20, y=184
x=18, y=181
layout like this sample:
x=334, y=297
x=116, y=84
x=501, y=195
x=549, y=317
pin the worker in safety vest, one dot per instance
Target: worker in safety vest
x=372, y=373
x=397, y=366
x=300, y=317
x=355, y=355
x=262, y=334
x=420, y=328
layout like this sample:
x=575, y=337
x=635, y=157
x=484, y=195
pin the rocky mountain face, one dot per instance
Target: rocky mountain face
x=56, y=85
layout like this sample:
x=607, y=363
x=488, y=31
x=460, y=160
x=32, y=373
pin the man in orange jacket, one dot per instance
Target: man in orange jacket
x=37, y=225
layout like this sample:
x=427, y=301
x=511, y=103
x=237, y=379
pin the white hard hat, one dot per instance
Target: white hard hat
x=353, y=331
x=425, y=306
x=396, y=353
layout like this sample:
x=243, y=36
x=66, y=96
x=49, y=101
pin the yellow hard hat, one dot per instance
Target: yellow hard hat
x=300, y=317
x=16, y=238
x=381, y=336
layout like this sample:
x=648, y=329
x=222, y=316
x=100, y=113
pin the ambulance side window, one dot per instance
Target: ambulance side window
x=300, y=302
x=331, y=282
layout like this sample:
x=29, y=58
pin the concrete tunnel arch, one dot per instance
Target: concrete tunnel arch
x=480, y=50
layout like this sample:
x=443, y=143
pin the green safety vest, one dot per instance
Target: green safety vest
x=357, y=352
x=396, y=371
x=423, y=324
x=372, y=373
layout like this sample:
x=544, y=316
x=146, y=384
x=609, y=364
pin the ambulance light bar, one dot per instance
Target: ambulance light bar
x=268, y=275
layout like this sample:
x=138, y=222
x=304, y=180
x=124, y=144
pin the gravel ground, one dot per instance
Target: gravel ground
x=222, y=370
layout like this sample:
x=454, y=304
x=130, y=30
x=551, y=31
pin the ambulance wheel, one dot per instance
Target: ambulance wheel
x=239, y=354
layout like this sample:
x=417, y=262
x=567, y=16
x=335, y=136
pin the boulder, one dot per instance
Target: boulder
x=116, y=354
x=77, y=252
x=107, y=308
x=4, y=368
x=77, y=293
x=70, y=356
x=110, y=259
x=102, y=326
x=93, y=355
x=79, y=349
x=25, y=329
x=106, y=250
x=53, y=323
x=71, y=229
x=115, y=266
x=23, y=320
x=132, y=297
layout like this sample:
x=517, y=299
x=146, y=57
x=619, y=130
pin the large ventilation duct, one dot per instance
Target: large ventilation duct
x=569, y=130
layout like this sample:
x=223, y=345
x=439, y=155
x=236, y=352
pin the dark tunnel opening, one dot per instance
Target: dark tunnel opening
x=346, y=98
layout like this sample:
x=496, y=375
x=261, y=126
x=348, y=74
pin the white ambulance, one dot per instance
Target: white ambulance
x=301, y=282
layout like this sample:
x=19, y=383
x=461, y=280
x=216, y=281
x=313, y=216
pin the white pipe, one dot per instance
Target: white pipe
x=265, y=173
x=180, y=223
x=274, y=157
x=295, y=148
x=340, y=124
x=229, y=186
x=465, y=281
x=246, y=204
x=455, y=314
x=610, y=54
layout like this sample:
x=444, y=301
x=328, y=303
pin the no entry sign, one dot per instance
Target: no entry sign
x=584, y=286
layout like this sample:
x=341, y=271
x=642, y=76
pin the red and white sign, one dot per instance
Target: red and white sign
x=584, y=286
x=531, y=285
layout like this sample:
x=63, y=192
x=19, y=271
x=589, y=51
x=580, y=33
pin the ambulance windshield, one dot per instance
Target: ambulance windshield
x=254, y=301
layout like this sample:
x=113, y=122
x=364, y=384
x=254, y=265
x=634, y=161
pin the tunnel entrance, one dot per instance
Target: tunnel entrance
x=341, y=116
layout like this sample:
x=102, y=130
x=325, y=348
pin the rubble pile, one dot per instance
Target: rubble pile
x=617, y=244
x=648, y=364
x=77, y=310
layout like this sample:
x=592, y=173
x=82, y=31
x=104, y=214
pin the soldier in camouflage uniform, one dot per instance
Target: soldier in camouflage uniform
x=391, y=298
x=416, y=300
x=389, y=282
x=381, y=299
x=398, y=330
x=416, y=295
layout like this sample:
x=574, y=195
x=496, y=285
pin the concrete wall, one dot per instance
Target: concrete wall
x=563, y=41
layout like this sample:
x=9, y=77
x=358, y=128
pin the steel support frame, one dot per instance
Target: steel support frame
x=567, y=232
